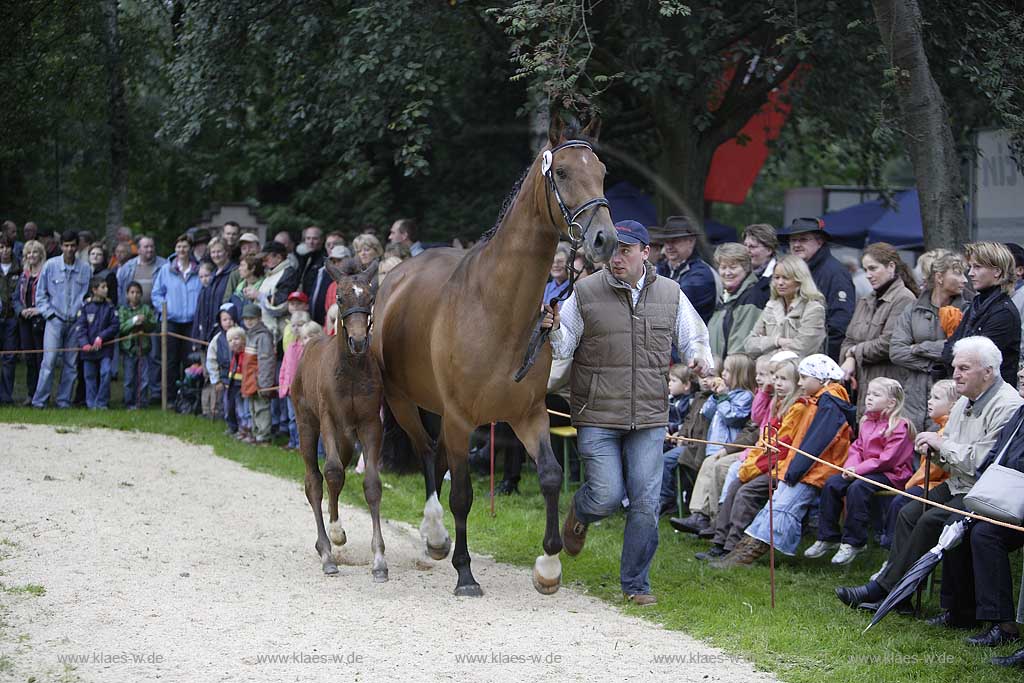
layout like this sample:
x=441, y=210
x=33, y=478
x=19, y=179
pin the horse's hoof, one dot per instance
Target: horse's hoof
x=441, y=552
x=380, y=575
x=546, y=586
x=337, y=533
x=472, y=590
x=330, y=569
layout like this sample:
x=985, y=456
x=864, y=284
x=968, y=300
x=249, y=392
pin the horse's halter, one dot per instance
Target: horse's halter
x=575, y=236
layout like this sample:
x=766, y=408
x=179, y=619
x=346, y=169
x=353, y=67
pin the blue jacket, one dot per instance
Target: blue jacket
x=126, y=273
x=180, y=293
x=96, y=320
x=836, y=284
x=62, y=288
x=832, y=414
x=727, y=413
x=205, y=324
x=678, y=407
x=697, y=281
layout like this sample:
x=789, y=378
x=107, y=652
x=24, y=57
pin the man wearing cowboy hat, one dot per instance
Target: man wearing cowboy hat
x=684, y=265
x=808, y=239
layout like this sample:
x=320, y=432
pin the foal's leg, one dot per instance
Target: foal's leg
x=534, y=432
x=338, y=452
x=370, y=436
x=432, y=530
x=309, y=432
x=455, y=433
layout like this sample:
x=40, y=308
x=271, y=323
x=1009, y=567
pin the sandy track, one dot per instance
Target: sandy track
x=141, y=555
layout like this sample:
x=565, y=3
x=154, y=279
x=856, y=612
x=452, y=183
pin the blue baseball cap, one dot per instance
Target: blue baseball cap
x=631, y=232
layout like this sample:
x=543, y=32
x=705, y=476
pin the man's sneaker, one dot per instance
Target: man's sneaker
x=846, y=554
x=819, y=549
x=574, y=532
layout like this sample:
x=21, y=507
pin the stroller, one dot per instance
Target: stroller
x=189, y=398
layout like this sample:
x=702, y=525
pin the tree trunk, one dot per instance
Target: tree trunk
x=925, y=121
x=118, y=118
x=683, y=163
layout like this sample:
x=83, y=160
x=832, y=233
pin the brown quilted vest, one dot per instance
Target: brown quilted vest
x=620, y=368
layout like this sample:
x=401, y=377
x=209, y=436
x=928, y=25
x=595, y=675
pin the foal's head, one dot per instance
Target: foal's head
x=356, y=291
x=579, y=177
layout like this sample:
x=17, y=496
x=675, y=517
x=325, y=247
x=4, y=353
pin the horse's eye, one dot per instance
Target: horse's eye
x=560, y=172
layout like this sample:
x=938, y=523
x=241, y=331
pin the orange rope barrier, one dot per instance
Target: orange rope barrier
x=838, y=468
x=106, y=343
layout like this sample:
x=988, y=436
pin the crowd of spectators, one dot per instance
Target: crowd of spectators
x=919, y=362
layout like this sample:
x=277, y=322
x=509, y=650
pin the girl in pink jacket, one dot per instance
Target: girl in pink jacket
x=884, y=453
x=289, y=366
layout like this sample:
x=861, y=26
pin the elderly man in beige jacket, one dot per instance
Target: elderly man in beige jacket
x=986, y=403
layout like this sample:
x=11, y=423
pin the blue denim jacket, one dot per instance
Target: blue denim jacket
x=62, y=288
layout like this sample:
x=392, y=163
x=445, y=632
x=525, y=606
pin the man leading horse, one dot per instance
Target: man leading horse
x=619, y=327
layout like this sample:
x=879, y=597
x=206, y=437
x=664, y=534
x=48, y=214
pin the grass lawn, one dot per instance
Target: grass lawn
x=809, y=637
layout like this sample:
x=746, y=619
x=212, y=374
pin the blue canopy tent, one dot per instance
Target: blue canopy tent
x=627, y=202
x=901, y=225
x=849, y=226
x=898, y=222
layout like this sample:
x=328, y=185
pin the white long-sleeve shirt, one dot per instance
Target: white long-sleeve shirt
x=691, y=334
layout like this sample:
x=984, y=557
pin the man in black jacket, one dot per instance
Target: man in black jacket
x=808, y=239
x=312, y=256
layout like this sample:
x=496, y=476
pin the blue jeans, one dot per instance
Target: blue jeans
x=789, y=505
x=97, y=382
x=293, y=427
x=605, y=453
x=9, y=338
x=857, y=495
x=670, y=461
x=242, y=407
x=57, y=336
x=136, y=372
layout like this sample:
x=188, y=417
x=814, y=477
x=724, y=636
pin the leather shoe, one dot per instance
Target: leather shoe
x=574, y=532
x=949, y=620
x=994, y=637
x=1016, y=659
x=851, y=596
x=708, y=533
x=712, y=553
x=642, y=599
x=693, y=524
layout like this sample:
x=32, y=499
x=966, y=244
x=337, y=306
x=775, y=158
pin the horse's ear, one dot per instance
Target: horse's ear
x=556, y=129
x=369, y=276
x=336, y=273
x=593, y=129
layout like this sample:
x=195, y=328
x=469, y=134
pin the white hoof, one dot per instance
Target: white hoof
x=547, y=574
x=432, y=529
x=336, y=533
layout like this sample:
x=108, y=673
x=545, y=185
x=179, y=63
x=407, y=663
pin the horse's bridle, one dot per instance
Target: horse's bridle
x=577, y=233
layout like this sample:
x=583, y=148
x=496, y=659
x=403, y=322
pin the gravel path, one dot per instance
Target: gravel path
x=148, y=572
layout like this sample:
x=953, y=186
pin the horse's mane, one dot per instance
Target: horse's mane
x=505, y=207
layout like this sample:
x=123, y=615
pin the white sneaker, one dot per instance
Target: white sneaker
x=847, y=553
x=885, y=565
x=820, y=548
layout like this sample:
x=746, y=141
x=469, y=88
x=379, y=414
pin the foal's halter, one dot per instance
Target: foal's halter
x=577, y=233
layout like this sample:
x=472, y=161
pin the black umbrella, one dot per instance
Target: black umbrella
x=951, y=535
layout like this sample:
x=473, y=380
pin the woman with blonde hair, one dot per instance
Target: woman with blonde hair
x=992, y=314
x=794, y=319
x=919, y=335
x=367, y=248
x=865, y=350
x=31, y=323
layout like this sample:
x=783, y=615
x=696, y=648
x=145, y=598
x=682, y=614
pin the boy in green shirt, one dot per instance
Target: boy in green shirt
x=135, y=316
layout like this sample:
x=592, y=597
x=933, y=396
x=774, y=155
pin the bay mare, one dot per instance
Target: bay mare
x=452, y=329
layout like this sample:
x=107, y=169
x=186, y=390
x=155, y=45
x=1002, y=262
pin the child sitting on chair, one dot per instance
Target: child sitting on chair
x=883, y=452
